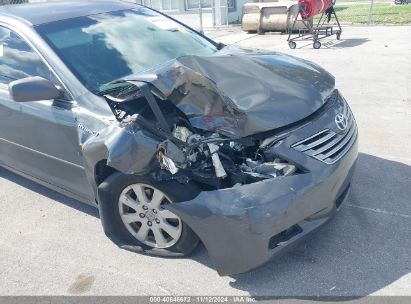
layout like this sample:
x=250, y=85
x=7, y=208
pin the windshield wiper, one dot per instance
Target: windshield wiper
x=112, y=86
x=146, y=78
x=220, y=46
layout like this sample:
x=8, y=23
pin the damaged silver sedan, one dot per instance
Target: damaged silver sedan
x=177, y=139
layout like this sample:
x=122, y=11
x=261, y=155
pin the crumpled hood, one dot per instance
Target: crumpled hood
x=239, y=92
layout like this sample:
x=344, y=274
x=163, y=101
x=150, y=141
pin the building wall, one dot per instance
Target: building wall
x=191, y=17
x=181, y=11
x=237, y=15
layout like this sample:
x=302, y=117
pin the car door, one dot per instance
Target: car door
x=38, y=138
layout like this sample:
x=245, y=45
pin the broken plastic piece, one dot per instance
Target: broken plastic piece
x=168, y=163
x=182, y=133
x=218, y=166
x=171, y=157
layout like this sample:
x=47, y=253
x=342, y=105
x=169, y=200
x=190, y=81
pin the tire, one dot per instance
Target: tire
x=119, y=232
x=317, y=44
x=292, y=45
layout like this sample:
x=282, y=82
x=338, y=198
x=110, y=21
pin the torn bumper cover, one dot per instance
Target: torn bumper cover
x=244, y=227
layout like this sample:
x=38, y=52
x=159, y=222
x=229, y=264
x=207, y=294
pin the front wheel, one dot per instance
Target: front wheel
x=134, y=215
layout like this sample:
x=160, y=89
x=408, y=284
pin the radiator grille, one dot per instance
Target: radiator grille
x=328, y=146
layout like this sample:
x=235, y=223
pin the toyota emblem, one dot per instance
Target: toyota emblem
x=341, y=121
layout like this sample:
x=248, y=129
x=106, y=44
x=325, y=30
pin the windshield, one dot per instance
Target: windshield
x=102, y=48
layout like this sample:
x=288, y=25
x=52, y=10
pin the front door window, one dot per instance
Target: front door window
x=17, y=59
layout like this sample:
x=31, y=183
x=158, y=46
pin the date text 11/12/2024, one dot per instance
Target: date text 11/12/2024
x=202, y=299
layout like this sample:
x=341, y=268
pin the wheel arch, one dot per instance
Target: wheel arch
x=108, y=192
x=102, y=171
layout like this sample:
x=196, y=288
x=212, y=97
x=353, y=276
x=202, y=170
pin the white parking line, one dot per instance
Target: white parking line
x=379, y=211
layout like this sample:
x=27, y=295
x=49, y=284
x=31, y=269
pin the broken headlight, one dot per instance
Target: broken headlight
x=271, y=169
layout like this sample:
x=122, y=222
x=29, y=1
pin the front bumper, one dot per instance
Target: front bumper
x=246, y=226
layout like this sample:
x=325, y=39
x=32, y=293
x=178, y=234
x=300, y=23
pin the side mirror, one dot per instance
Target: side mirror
x=33, y=89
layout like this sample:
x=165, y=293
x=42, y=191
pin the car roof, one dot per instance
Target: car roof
x=45, y=12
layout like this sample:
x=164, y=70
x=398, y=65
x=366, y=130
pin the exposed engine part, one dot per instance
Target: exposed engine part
x=193, y=139
x=236, y=146
x=182, y=133
x=218, y=166
x=218, y=163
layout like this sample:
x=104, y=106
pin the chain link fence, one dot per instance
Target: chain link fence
x=373, y=11
x=369, y=11
x=8, y=2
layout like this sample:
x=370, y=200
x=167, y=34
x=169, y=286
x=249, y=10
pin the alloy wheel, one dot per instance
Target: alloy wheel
x=142, y=211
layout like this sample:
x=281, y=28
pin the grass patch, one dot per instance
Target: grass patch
x=382, y=13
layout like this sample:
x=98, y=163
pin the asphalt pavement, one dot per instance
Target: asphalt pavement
x=53, y=245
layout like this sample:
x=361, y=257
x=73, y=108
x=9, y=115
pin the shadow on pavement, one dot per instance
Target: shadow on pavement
x=333, y=43
x=350, y=42
x=33, y=186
